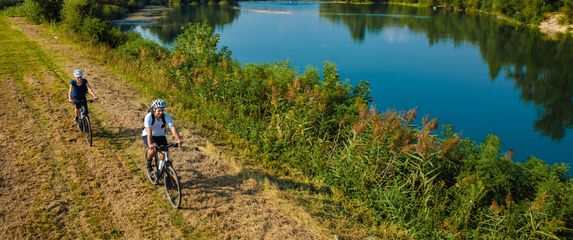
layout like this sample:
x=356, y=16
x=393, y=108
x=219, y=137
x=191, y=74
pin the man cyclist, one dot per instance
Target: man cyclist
x=155, y=123
x=79, y=87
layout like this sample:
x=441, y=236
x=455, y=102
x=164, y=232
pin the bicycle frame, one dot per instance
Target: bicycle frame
x=84, y=110
x=84, y=120
x=162, y=164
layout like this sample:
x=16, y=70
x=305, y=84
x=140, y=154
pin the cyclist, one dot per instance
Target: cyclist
x=155, y=123
x=79, y=87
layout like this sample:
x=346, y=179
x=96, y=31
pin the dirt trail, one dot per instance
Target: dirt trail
x=60, y=187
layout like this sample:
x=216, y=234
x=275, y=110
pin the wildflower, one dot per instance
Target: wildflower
x=539, y=204
x=410, y=115
x=495, y=208
x=508, y=200
x=358, y=127
x=177, y=60
x=509, y=154
x=449, y=144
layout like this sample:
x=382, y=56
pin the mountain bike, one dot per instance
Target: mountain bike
x=163, y=170
x=84, y=123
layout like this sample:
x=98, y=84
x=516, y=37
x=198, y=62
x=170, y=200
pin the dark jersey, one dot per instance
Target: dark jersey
x=79, y=92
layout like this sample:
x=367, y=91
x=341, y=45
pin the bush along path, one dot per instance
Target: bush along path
x=52, y=185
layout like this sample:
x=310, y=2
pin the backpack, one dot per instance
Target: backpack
x=150, y=110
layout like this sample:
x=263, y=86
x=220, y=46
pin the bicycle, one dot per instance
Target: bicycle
x=84, y=123
x=164, y=170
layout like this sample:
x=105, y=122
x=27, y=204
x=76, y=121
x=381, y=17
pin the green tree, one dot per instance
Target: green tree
x=39, y=11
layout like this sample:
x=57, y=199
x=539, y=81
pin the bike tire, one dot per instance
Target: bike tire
x=88, y=130
x=151, y=175
x=172, y=187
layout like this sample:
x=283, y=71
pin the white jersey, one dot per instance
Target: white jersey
x=156, y=129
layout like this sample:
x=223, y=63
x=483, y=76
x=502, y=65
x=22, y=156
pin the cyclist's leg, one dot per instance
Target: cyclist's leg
x=160, y=141
x=77, y=110
x=150, y=153
x=85, y=104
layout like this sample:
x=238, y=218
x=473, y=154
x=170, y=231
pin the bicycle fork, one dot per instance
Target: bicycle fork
x=162, y=164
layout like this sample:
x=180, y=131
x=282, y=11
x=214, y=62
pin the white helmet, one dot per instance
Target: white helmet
x=159, y=103
x=78, y=73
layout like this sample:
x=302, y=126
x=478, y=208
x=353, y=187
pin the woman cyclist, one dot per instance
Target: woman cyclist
x=79, y=88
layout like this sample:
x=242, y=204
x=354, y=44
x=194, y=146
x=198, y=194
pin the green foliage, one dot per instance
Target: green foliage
x=9, y=3
x=83, y=17
x=96, y=30
x=39, y=11
x=528, y=11
x=111, y=12
x=197, y=44
x=140, y=48
x=75, y=11
x=568, y=10
x=15, y=11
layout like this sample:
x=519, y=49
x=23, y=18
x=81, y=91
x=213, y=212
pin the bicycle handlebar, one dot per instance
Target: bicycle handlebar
x=82, y=101
x=164, y=148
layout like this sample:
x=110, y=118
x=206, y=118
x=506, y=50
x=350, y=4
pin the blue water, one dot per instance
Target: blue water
x=452, y=66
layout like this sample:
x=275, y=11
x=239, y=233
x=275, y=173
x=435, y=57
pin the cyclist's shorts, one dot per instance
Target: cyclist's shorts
x=159, y=141
x=79, y=102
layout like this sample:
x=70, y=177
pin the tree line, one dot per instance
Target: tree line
x=527, y=11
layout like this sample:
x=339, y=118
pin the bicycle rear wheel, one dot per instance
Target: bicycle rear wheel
x=172, y=188
x=151, y=173
x=88, y=130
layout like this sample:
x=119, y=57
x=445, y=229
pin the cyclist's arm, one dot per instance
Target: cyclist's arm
x=90, y=90
x=149, y=138
x=176, y=134
x=70, y=93
x=169, y=122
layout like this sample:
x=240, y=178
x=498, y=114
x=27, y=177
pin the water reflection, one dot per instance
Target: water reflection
x=540, y=67
x=169, y=26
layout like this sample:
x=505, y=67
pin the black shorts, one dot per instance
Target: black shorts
x=79, y=102
x=159, y=141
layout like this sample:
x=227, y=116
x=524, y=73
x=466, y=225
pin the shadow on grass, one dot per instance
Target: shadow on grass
x=119, y=138
x=227, y=186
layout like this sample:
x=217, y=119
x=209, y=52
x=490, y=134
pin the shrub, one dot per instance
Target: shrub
x=197, y=44
x=75, y=11
x=111, y=12
x=9, y=3
x=96, y=30
x=138, y=47
x=15, y=11
x=39, y=11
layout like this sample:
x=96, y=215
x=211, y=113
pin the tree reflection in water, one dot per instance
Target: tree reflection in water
x=541, y=67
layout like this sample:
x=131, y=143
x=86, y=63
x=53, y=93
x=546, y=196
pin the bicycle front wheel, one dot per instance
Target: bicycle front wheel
x=172, y=188
x=88, y=130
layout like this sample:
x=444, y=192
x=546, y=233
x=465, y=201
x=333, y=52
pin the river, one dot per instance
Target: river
x=472, y=71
